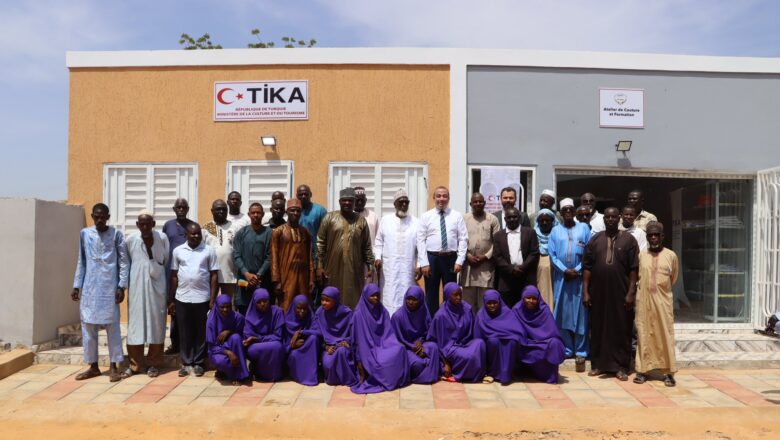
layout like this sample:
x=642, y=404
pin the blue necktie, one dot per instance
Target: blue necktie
x=443, y=226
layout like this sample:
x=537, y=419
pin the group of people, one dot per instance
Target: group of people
x=519, y=291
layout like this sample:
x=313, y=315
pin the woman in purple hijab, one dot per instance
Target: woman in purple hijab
x=543, y=350
x=380, y=358
x=301, y=339
x=503, y=336
x=263, y=337
x=411, y=323
x=224, y=329
x=334, y=322
x=452, y=329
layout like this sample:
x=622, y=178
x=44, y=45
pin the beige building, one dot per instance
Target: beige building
x=142, y=132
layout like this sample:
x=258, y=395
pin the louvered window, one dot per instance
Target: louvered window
x=130, y=188
x=257, y=180
x=381, y=180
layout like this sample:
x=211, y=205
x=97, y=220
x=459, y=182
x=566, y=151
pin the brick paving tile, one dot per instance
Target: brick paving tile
x=311, y=403
x=340, y=400
x=209, y=401
x=57, y=391
x=734, y=390
x=219, y=391
x=485, y=403
x=7, y=384
x=451, y=403
x=182, y=390
x=144, y=398
x=179, y=400
x=416, y=404
x=110, y=398
x=79, y=397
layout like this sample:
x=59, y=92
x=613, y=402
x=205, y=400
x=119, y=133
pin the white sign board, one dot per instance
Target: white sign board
x=493, y=180
x=261, y=101
x=624, y=108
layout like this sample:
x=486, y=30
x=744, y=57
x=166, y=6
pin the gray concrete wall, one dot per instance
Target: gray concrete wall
x=546, y=117
x=37, y=259
x=57, y=227
x=17, y=270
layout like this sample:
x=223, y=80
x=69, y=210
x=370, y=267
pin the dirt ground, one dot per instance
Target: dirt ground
x=57, y=420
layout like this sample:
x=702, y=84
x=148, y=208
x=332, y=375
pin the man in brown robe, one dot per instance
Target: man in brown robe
x=344, y=249
x=658, y=271
x=292, y=268
x=609, y=289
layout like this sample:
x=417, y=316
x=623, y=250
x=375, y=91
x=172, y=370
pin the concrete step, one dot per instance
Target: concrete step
x=729, y=359
x=724, y=343
x=75, y=356
x=71, y=336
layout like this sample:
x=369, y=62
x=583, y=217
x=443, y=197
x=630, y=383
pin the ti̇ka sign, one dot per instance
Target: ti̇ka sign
x=261, y=101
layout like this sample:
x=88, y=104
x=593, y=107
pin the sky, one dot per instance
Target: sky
x=35, y=35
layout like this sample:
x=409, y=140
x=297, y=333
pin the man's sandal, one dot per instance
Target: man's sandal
x=669, y=380
x=89, y=374
x=640, y=378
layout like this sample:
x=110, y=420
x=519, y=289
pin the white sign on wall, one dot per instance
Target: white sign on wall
x=622, y=108
x=493, y=180
x=261, y=101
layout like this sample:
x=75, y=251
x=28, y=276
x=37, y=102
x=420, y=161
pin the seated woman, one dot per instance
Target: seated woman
x=411, y=323
x=224, y=329
x=333, y=320
x=380, y=358
x=263, y=337
x=301, y=341
x=452, y=329
x=543, y=350
x=503, y=336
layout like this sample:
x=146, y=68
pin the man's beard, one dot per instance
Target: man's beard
x=401, y=214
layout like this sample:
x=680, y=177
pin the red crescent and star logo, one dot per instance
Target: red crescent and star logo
x=221, y=99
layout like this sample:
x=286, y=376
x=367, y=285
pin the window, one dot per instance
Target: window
x=489, y=180
x=130, y=188
x=257, y=180
x=381, y=180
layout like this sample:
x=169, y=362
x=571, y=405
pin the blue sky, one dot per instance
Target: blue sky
x=34, y=36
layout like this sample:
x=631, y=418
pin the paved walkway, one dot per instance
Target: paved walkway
x=695, y=388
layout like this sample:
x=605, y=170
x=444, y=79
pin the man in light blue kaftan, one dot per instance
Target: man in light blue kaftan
x=566, y=248
x=99, y=283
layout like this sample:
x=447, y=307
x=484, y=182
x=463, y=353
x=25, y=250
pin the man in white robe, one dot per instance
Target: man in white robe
x=219, y=234
x=396, y=253
x=148, y=251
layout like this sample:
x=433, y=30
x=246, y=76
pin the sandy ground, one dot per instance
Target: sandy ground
x=58, y=420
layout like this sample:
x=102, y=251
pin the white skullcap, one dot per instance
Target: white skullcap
x=566, y=202
x=146, y=212
x=549, y=192
x=400, y=193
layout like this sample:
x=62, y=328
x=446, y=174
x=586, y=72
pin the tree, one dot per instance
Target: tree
x=204, y=42
x=289, y=42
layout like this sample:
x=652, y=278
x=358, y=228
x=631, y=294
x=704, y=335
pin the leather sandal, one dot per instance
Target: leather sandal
x=89, y=374
x=640, y=378
x=594, y=372
x=621, y=376
x=669, y=380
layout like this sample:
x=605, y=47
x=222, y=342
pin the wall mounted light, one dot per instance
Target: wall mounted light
x=268, y=141
x=623, y=146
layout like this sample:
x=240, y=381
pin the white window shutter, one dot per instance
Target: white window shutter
x=257, y=180
x=130, y=188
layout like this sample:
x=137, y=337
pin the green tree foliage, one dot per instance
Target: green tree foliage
x=289, y=42
x=204, y=42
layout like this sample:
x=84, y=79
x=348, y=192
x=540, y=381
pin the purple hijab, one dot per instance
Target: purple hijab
x=334, y=325
x=291, y=322
x=452, y=325
x=376, y=346
x=540, y=330
x=264, y=326
x=502, y=326
x=216, y=324
x=411, y=327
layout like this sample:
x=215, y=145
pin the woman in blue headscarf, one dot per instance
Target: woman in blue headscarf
x=452, y=329
x=545, y=221
x=381, y=359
